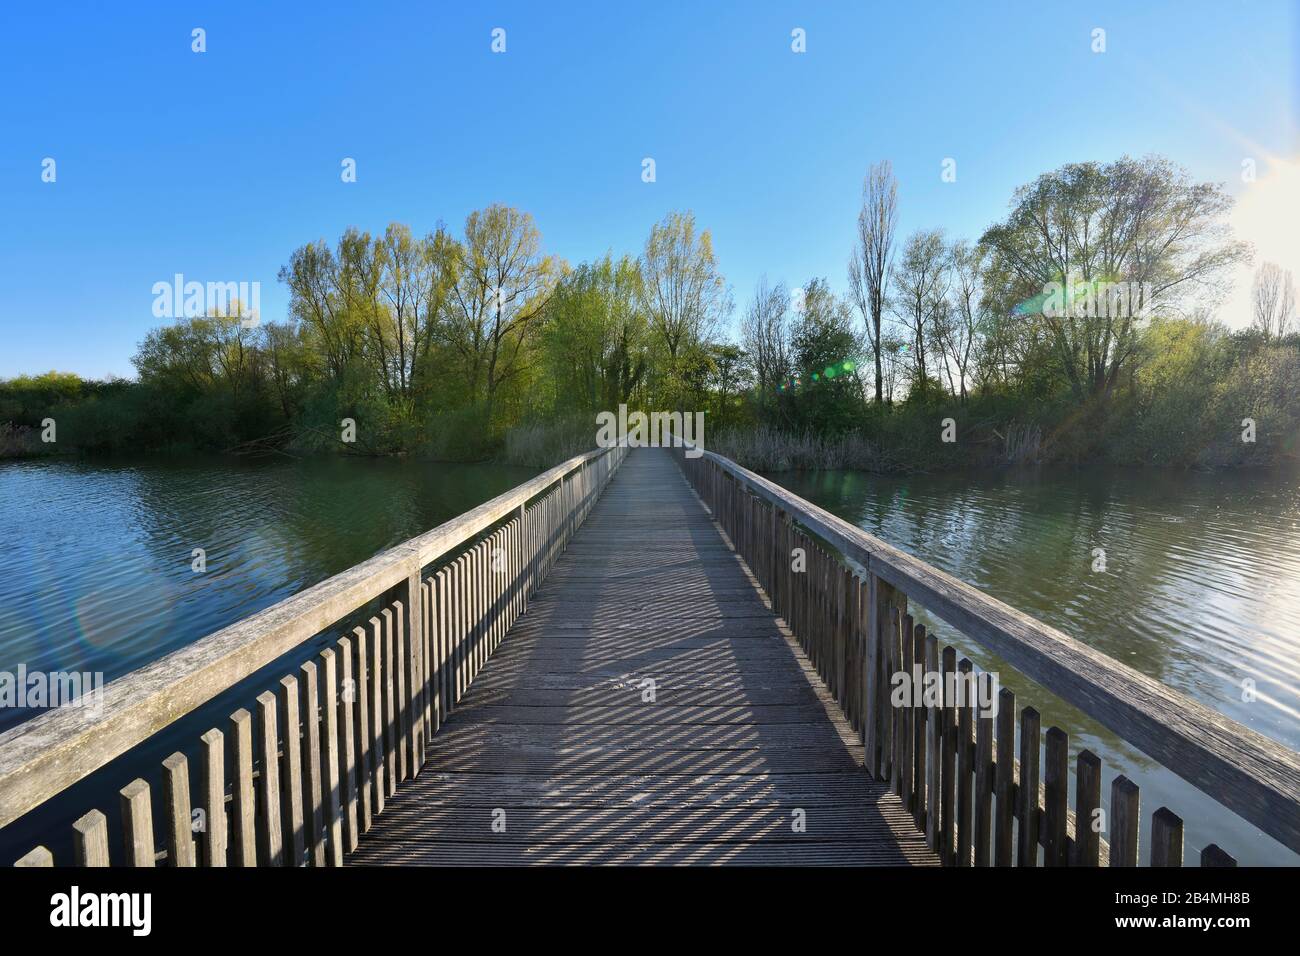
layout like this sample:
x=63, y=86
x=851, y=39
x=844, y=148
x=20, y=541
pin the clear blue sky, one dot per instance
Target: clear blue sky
x=218, y=165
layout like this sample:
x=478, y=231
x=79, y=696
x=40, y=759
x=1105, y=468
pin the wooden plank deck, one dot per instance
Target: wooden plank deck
x=555, y=756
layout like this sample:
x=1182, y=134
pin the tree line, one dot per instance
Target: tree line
x=1083, y=318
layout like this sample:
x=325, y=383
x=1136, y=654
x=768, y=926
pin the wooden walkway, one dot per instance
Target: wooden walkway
x=647, y=708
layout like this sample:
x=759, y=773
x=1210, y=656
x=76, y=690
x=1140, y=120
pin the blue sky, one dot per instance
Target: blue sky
x=217, y=165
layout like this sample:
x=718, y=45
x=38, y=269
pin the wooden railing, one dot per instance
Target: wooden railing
x=300, y=772
x=979, y=798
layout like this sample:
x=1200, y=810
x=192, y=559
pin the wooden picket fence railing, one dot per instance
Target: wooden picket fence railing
x=301, y=772
x=980, y=797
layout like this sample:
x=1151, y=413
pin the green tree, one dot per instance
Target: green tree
x=826, y=352
x=503, y=282
x=1143, y=223
x=595, y=336
x=686, y=298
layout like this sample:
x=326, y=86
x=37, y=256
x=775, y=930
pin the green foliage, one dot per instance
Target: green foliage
x=483, y=344
x=595, y=339
x=828, y=399
x=1141, y=223
x=1266, y=389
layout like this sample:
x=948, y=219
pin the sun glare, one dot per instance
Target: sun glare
x=1268, y=215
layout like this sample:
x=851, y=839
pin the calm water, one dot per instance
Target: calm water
x=95, y=559
x=1201, y=590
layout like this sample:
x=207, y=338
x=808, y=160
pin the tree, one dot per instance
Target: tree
x=766, y=337
x=1273, y=299
x=921, y=287
x=316, y=299
x=503, y=281
x=686, y=297
x=893, y=349
x=1141, y=227
x=728, y=378
x=826, y=352
x=956, y=325
x=415, y=282
x=214, y=352
x=872, y=259
x=178, y=355
x=289, y=364
x=595, y=335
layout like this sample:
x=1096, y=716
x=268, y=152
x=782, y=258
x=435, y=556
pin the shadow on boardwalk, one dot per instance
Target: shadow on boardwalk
x=557, y=754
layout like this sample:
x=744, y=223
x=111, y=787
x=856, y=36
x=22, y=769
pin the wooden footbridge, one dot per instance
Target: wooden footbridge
x=638, y=657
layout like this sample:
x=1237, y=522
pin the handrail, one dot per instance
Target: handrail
x=1251, y=774
x=45, y=755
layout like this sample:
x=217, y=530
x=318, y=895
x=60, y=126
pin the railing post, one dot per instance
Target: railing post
x=270, y=844
x=215, y=837
x=90, y=840
x=292, y=827
x=243, y=844
x=176, y=803
x=1005, y=777
x=414, y=698
x=882, y=600
x=933, y=755
x=1125, y=803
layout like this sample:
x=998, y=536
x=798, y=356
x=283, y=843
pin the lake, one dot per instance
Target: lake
x=1201, y=586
